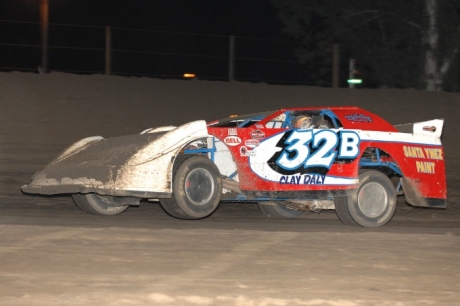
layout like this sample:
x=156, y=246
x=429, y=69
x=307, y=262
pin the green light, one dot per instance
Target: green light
x=355, y=81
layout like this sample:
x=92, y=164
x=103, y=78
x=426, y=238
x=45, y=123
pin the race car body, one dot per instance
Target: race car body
x=342, y=158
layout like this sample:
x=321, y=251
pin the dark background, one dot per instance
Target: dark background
x=254, y=18
x=161, y=39
x=276, y=41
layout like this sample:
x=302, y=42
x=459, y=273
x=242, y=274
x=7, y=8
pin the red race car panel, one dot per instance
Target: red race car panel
x=273, y=158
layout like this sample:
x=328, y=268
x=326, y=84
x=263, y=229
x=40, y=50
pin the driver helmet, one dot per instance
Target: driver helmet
x=302, y=122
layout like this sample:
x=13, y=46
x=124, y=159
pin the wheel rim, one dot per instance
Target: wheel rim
x=199, y=186
x=372, y=200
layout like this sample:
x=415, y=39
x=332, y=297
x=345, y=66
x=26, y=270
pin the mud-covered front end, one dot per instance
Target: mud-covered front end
x=135, y=165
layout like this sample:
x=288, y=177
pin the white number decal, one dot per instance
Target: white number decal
x=298, y=144
x=296, y=153
x=349, y=146
x=324, y=156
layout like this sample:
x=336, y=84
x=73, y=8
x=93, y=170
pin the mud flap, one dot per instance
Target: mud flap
x=413, y=197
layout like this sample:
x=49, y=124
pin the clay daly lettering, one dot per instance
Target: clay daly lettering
x=306, y=179
x=307, y=151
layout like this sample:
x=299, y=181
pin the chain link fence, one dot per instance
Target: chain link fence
x=159, y=54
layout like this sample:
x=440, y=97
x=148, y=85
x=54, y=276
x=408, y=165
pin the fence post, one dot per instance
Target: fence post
x=335, y=66
x=351, y=73
x=44, y=8
x=231, y=59
x=108, y=50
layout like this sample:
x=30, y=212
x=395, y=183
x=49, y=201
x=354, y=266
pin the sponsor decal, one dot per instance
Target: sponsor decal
x=358, y=118
x=304, y=156
x=259, y=126
x=232, y=132
x=251, y=143
x=433, y=153
x=306, y=179
x=413, y=152
x=245, y=151
x=426, y=153
x=425, y=167
x=232, y=140
x=258, y=134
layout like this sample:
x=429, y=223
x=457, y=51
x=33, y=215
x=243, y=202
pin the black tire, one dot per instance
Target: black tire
x=197, y=188
x=374, y=203
x=274, y=210
x=95, y=204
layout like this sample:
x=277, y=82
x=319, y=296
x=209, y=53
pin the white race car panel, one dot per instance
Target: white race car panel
x=399, y=137
x=77, y=147
x=150, y=169
x=159, y=129
x=223, y=159
x=431, y=128
x=127, y=165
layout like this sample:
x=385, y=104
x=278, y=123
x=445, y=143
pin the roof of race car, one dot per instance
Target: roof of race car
x=348, y=117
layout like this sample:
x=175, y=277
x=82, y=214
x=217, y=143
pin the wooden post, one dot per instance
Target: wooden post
x=108, y=51
x=231, y=59
x=351, y=73
x=335, y=66
x=44, y=33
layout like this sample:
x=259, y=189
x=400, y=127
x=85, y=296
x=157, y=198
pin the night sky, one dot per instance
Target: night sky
x=248, y=18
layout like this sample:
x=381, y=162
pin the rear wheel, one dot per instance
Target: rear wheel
x=95, y=204
x=197, y=188
x=374, y=203
x=274, y=210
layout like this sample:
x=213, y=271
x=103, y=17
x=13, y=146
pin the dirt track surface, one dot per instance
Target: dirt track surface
x=54, y=254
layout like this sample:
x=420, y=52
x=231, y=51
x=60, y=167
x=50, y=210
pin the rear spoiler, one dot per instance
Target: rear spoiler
x=432, y=128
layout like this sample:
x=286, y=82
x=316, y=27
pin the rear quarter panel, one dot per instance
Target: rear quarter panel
x=420, y=159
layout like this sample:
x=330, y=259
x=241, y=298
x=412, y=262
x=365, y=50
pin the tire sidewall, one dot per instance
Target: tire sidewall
x=385, y=216
x=280, y=211
x=180, y=197
x=93, y=204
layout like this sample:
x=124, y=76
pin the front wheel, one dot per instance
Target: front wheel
x=197, y=188
x=95, y=204
x=374, y=203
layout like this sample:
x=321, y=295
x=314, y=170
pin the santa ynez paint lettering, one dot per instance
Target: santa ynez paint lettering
x=306, y=149
x=424, y=153
x=418, y=152
x=305, y=179
x=425, y=167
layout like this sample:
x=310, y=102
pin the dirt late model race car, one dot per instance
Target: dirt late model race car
x=289, y=162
